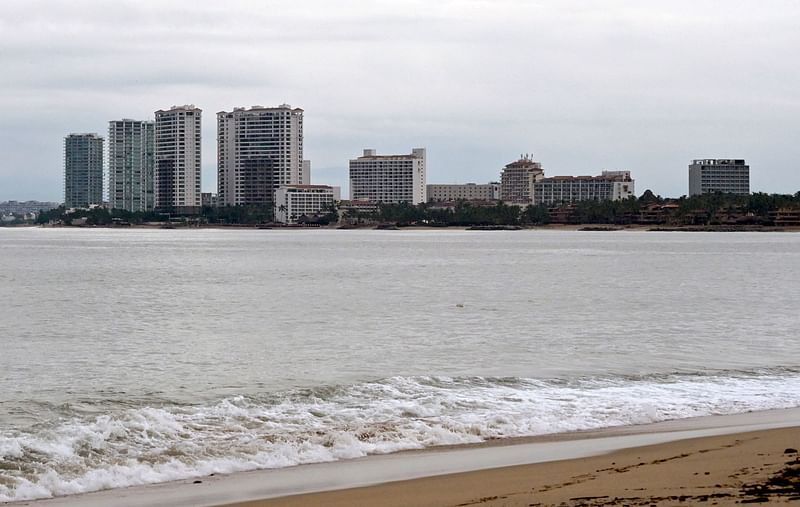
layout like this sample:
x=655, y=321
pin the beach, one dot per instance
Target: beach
x=721, y=460
x=718, y=470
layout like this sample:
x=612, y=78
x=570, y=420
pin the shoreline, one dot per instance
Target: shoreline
x=589, y=227
x=321, y=484
x=749, y=467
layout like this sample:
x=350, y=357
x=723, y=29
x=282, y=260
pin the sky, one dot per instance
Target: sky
x=583, y=85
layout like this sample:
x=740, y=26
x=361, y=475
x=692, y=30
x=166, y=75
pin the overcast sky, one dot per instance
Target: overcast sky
x=585, y=85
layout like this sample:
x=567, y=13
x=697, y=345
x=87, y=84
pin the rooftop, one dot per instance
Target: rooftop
x=718, y=161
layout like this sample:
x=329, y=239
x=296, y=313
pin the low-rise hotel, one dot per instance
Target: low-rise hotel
x=463, y=192
x=295, y=201
x=388, y=178
x=726, y=175
x=610, y=185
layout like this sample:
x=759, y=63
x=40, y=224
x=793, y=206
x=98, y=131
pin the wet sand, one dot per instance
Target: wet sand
x=714, y=460
x=752, y=467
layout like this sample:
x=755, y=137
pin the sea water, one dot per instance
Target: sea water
x=138, y=356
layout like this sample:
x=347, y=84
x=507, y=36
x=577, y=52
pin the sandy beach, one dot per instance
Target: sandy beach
x=715, y=460
x=751, y=467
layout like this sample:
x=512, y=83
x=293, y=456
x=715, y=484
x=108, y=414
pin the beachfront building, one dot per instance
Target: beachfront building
x=609, y=186
x=83, y=170
x=517, y=179
x=463, y=192
x=292, y=202
x=131, y=163
x=388, y=178
x=26, y=207
x=726, y=175
x=259, y=150
x=177, y=160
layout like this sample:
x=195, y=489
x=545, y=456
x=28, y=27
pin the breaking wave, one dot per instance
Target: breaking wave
x=76, y=453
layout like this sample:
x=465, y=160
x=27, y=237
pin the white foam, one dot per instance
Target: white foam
x=156, y=444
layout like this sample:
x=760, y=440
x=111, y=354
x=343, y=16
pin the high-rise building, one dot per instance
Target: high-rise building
x=177, y=160
x=131, y=147
x=388, y=178
x=83, y=170
x=726, y=175
x=258, y=150
x=609, y=186
x=517, y=179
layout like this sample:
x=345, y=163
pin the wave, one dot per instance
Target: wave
x=158, y=443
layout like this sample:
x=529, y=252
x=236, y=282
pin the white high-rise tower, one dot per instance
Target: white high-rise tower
x=258, y=150
x=177, y=160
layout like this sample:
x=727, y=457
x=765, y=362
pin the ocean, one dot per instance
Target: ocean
x=137, y=356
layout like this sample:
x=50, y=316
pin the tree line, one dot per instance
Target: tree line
x=695, y=210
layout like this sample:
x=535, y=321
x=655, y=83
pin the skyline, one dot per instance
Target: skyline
x=585, y=86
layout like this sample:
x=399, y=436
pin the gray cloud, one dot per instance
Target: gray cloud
x=586, y=85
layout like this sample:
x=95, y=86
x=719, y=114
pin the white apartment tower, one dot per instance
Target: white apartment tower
x=131, y=147
x=388, y=178
x=177, y=160
x=259, y=150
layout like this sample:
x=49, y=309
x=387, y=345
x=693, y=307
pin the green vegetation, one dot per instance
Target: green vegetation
x=649, y=209
x=705, y=210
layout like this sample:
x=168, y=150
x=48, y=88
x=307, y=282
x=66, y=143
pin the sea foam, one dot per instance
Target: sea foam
x=149, y=444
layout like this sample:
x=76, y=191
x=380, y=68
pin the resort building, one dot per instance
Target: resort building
x=295, y=201
x=726, y=175
x=23, y=208
x=177, y=160
x=517, y=179
x=83, y=170
x=131, y=163
x=388, y=178
x=610, y=185
x=258, y=150
x=463, y=192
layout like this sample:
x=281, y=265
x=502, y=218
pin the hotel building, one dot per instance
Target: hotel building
x=517, y=179
x=463, y=192
x=295, y=201
x=131, y=162
x=83, y=170
x=610, y=185
x=388, y=178
x=177, y=160
x=729, y=176
x=258, y=150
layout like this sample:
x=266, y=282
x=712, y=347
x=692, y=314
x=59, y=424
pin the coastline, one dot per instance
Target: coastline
x=751, y=467
x=485, y=470
x=588, y=227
